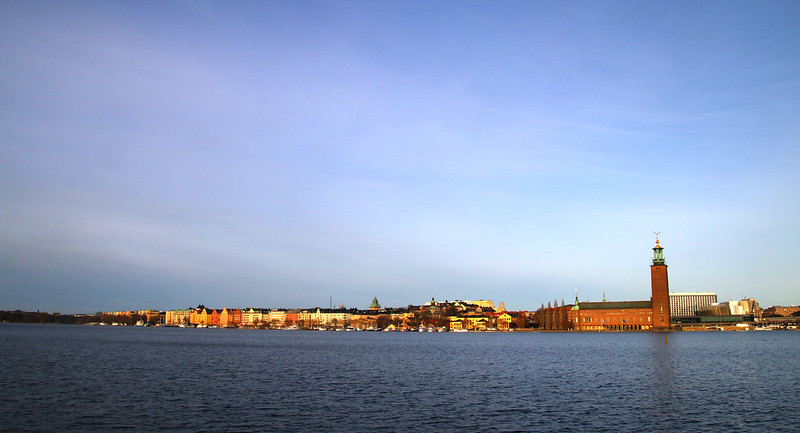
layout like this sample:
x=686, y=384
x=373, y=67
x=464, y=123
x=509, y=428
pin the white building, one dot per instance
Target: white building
x=338, y=318
x=744, y=307
x=277, y=318
x=252, y=317
x=684, y=304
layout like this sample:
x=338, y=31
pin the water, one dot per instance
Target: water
x=84, y=378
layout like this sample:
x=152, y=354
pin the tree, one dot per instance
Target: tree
x=384, y=320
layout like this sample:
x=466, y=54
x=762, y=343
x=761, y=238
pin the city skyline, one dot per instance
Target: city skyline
x=279, y=154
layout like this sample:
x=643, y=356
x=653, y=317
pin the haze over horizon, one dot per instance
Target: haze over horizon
x=276, y=154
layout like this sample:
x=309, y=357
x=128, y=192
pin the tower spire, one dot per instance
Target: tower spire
x=658, y=252
x=660, y=288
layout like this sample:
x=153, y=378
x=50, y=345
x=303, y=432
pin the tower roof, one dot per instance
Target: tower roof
x=658, y=253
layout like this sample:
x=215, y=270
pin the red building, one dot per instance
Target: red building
x=213, y=318
x=617, y=316
x=229, y=317
x=660, y=288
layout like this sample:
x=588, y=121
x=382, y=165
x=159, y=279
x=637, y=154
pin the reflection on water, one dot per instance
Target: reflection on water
x=663, y=379
x=101, y=378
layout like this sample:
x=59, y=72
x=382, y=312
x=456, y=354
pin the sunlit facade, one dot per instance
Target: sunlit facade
x=687, y=304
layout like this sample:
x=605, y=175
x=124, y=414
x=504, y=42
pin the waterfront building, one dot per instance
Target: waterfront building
x=277, y=318
x=784, y=311
x=477, y=322
x=292, y=316
x=252, y=317
x=660, y=289
x=213, y=318
x=687, y=304
x=745, y=307
x=456, y=323
x=178, y=317
x=149, y=315
x=335, y=318
x=225, y=318
x=309, y=319
x=199, y=316
x=230, y=318
x=621, y=316
x=504, y=321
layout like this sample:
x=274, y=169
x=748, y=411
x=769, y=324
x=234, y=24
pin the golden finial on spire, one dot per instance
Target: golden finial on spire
x=657, y=245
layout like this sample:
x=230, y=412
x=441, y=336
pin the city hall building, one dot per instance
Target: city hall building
x=616, y=316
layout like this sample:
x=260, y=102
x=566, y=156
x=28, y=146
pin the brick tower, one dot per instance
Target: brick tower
x=660, y=287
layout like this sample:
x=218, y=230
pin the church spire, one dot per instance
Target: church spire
x=577, y=305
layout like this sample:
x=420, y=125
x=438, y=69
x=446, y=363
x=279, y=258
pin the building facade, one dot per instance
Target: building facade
x=178, y=317
x=277, y=318
x=687, y=304
x=616, y=316
x=778, y=310
x=659, y=285
x=230, y=318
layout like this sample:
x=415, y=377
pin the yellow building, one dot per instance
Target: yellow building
x=483, y=303
x=151, y=315
x=199, y=317
x=226, y=318
x=504, y=322
x=476, y=323
x=310, y=319
x=277, y=318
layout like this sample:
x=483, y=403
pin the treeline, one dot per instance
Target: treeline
x=40, y=317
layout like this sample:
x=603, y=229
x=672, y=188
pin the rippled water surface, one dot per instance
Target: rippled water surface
x=92, y=378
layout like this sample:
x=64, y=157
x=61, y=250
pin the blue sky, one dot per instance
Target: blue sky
x=277, y=154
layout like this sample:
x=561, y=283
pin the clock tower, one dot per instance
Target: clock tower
x=660, y=288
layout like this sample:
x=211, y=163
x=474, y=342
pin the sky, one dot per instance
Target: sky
x=296, y=154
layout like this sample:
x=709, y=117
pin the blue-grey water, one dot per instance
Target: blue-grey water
x=92, y=378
